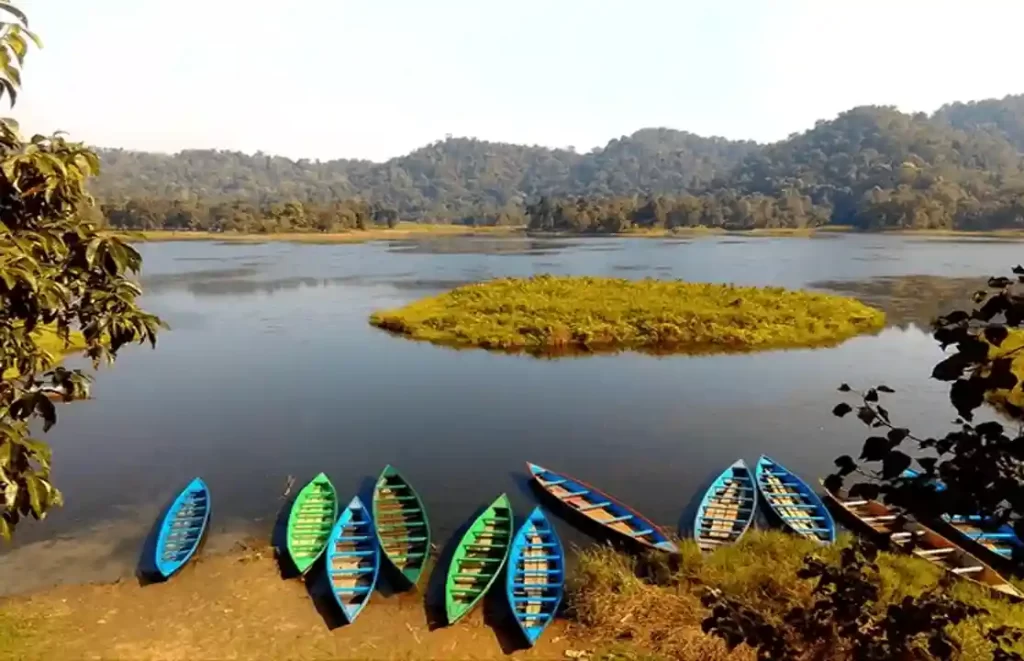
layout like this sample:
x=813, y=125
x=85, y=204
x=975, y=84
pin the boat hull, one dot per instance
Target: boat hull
x=793, y=502
x=401, y=524
x=478, y=559
x=535, y=580
x=310, y=521
x=182, y=528
x=353, y=559
x=727, y=509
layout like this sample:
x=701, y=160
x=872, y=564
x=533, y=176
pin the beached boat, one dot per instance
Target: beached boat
x=478, y=559
x=1001, y=541
x=353, y=559
x=602, y=508
x=893, y=529
x=400, y=519
x=727, y=509
x=535, y=580
x=794, y=502
x=182, y=529
x=310, y=521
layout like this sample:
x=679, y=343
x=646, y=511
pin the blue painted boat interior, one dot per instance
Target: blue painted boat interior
x=794, y=502
x=535, y=580
x=601, y=508
x=182, y=529
x=727, y=509
x=353, y=559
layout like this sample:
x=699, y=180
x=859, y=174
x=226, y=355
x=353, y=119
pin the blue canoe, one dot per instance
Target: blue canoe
x=353, y=559
x=601, y=508
x=795, y=503
x=1001, y=541
x=182, y=528
x=728, y=508
x=535, y=580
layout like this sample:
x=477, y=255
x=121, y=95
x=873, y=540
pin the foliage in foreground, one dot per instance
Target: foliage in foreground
x=56, y=273
x=561, y=314
x=656, y=606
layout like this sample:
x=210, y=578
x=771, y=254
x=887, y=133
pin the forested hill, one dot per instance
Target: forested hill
x=873, y=167
x=445, y=180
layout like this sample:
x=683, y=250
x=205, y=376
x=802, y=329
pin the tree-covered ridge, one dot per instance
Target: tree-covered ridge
x=871, y=167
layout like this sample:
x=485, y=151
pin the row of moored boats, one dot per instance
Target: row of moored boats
x=357, y=541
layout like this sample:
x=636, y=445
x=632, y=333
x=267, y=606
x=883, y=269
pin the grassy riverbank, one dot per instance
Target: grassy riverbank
x=558, y=314
x=48, y=340
x=236, y=605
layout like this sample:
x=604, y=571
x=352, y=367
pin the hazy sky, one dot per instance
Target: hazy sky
x=378, y=78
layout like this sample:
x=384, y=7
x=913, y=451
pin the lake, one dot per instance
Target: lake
x=271, y=370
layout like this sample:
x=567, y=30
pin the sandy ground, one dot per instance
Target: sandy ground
x=238, y=606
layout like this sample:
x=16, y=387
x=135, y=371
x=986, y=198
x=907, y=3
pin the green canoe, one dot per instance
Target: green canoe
x=478, y=559
x=402, y=526
x=309, y=524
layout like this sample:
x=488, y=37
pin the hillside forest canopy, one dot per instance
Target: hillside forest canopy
x=872, y=168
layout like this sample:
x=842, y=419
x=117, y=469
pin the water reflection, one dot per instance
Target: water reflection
x=908, y=299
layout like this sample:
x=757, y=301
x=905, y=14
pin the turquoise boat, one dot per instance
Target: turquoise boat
x=793, y=502
x=727, y=509
x=182, y=529
x=353, y=559
x=535, y=580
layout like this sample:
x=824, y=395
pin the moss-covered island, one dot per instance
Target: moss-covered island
x=549, y=314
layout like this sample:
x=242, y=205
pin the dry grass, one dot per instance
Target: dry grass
x=403, y=230
x=559, y=314
x=614, y=604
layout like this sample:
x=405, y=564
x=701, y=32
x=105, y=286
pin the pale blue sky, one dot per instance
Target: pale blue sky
x=377, y=78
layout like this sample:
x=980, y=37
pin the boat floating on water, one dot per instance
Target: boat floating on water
x=727, y=509
x=535, y=580
x=794, y=502
x=598, y=506
x=182, y=529
x=353, y=559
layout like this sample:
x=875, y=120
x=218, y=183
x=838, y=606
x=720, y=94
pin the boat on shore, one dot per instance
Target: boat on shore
x=727, y=509
x=310, y=522
x=401, y=524
x=353, y=559
x=184, y=524
x=794, y=502
x=611, y=513
x=535, y=580
x=894, y=530
x=478, y=559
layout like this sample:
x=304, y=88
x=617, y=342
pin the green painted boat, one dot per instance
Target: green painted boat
x=402, y=526
x=478, y=559
x=310, y=522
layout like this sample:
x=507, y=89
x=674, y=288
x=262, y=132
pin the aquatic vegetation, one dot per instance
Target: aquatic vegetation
x=562, y=314
x=663, y=598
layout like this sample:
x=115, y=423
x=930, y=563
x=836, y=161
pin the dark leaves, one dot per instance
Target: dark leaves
x=885, y=389
x=1018, y=270
x=866, y=414
x=979, y=296
x=927, y=464
x=897, y=435
x=875, y=448
x=846, y=464
x=951, y=368
x=995, y=334
x=833, y=483
x=1001, y=376
x=992, y=307
x=999, y=282
x=966, y=395
x=871, y=395
x=845, y=388
x=894, y=464
x=865, y=490
x=841, y=409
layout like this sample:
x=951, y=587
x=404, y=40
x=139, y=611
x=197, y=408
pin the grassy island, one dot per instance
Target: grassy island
x=563, y=314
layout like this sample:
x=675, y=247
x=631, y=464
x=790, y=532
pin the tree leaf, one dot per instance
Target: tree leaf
x=875, y=448
x=865, y=490
x=995, y=334
x=37, y=495
x=845, y=388
x=866, y=415
x=894, y=464
x=885, y=389
x=845, y=464
x=841, y=409
x=871, y=395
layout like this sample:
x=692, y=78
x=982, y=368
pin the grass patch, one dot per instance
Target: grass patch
x=403, y=230
x=48, y=340
x=560, y=314
x=657, y=609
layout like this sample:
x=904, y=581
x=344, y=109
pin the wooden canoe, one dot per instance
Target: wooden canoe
x=535, y=580
x=598, y=506
x=310, y=522
x=727, y=509
x=353, y=559
x=182, y=529
x=1000, y=542
x=478, y=559
x=403, y=530
x=794, y=502
x=890, y=526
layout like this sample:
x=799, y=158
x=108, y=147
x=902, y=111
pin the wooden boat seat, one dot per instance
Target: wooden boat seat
x=967, y=570
x=931, y=552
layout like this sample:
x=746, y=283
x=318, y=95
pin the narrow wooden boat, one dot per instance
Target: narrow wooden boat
x=889, y=526
x=403, y=529
x=794, y=502
x=1001, y=542
x=727, y=509
x=535, y=580
x=478, y=559
x=353, y=559
x=598, y=506
x=182, y=529
x=310, y=521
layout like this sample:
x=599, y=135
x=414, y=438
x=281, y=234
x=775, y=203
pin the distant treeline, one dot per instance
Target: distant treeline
x=871, y=167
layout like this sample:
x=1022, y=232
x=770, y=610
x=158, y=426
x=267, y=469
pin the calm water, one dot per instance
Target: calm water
x=271, y=370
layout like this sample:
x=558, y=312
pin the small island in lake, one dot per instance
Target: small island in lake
x=549, y=314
